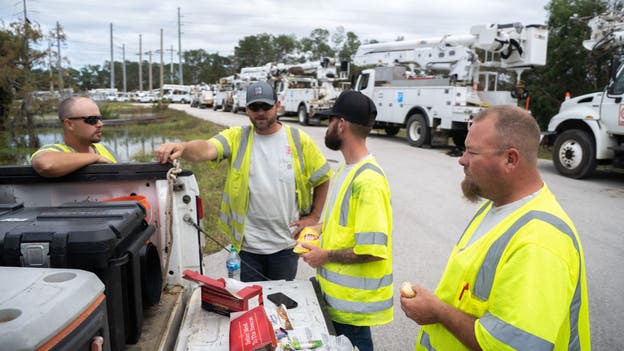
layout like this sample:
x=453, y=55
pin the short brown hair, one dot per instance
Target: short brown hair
x=515, y=127
x=65, y=107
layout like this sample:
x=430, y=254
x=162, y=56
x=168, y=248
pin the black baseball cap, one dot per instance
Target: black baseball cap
x=261, y=92
x=354, y=107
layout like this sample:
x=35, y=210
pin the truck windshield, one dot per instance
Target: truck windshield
x=617, y=86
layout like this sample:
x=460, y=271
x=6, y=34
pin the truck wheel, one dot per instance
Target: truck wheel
x=417, y=131
x=235, y=109
x=302, y=115
x=392, y=131
x=214, y=107
x=574, y=154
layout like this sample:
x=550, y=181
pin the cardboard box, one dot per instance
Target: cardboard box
x=216, y=298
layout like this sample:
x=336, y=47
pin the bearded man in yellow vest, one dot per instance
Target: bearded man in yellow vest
x=516, y=278
x=82, y=132
x=354, y=261
x=276, y=185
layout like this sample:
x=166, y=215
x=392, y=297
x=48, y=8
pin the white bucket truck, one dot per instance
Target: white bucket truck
x=440, y=107
x=589, y=129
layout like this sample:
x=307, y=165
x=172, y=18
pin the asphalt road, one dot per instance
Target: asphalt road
x=430, y=215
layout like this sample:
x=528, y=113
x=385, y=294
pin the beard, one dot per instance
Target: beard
x=332, y=140
x=264, y=124
x=471, y=191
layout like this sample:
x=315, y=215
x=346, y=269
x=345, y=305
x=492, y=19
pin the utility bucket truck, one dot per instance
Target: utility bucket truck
x=248, y=76
x=306, y=88
x=436, y=107
x=589, y=129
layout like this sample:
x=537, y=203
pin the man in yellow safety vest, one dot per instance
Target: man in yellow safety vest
x=516, y=278
x=82, y=132
x=276, y=185
x=354, y=261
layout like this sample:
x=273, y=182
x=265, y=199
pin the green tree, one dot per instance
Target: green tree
x=349, y=47
x=569, y=66
x=317, y=44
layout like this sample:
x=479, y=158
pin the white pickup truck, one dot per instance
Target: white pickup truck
x=137, y=227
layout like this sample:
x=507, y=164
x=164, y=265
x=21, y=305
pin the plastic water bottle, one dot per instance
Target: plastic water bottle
x=233, y=264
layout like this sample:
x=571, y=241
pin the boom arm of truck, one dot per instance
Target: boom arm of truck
x=518, y=47
x=607, y=32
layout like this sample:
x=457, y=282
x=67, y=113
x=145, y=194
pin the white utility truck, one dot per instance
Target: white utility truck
x=202, y=96
x=589, y=129
x=306, y=88
x=248, y=76
x=223, y=95
x=176, y=93
x=436, y=107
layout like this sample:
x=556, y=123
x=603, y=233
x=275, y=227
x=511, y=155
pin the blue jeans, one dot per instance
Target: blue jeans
x=276, y=266
x=359, y=336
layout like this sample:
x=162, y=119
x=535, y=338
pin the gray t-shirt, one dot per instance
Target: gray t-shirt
x=496, y=214
x=272, y=197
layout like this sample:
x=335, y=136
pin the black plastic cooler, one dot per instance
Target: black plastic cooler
x=102, y=237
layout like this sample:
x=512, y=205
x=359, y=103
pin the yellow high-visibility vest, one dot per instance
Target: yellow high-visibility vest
x=361, y=218
x=234, y=144
x=100, y=148
x=524, y=281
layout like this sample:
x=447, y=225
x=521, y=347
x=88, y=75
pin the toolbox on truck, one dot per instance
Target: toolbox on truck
x=52, y=309
x=101, y=237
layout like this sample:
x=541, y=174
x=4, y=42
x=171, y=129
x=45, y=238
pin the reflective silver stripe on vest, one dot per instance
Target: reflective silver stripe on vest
x=424, y=341
x=485, y=278
x=238, y=218
x=242, y=148
x=350, y=281
x=297, y=140
x=319, y=173
x=226, y=147
x=344, y=208
x=358, y=307
x=371, y=238
x=516, y=338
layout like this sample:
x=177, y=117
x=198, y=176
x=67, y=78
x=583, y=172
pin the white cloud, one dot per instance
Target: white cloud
x=217, y=26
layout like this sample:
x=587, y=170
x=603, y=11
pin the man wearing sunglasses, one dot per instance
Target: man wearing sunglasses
x=82, y=132
x=276, y=185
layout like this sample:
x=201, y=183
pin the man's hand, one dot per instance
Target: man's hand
x=423, y=307
x=169, y=151
x=102, y=159
x=305, y=221
x=316, y=257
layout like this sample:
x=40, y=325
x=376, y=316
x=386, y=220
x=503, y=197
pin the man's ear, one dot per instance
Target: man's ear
x=512, y=158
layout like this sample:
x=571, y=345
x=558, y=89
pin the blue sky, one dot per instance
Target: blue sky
x=217, y=26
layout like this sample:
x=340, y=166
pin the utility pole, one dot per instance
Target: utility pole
x=123, y=65
x=149, y=73
x=112, y=63
x=50, y=65
x=171, y=78
x=140, y=62
x=161, y=63
x=180, y=49
x=58, y=62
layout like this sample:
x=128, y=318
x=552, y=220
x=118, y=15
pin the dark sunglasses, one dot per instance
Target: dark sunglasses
x=260, y=106
x=92, y=120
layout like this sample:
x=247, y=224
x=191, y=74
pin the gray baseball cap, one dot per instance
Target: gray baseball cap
x=261, y=92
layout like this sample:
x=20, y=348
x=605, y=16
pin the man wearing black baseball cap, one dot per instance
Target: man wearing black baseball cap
x=354, y=261
x=276, y=185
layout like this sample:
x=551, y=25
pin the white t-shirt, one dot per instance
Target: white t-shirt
x=272, y=197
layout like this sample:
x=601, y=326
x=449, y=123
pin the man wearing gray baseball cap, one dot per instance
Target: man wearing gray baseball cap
x=276, y=185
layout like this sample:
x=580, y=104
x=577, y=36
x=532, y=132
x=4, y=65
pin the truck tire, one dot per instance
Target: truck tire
x=235, y=109
x=416, y=130
x=574, y=154
x=302, y=115
x=392, y=131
